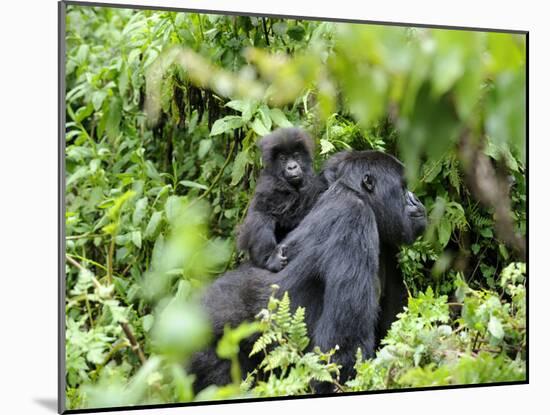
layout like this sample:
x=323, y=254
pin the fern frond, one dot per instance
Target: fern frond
x=453, y=173
x=263, y=342
x=297, y=332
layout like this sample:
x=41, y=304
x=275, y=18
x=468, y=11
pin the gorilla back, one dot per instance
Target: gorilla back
x=340, y=268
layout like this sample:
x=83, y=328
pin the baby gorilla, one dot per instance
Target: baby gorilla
x=286, y=190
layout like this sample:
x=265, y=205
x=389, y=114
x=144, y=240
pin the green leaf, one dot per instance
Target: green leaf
x=259, y=127
x=279, y=118
x=486, y=232
x=79, y=173
x=495, y=328
x=279, y=28
x=326, y=146
x=469, y=88
x=153, y=225
x=246, y=107
x=239, y=167
x=110, y=229
x=237, y=105
x=136, y=238
x=147, y=322
x=265, y=116
x=504, y=123
x=83, y=112
x=506, y=51
x=204, y=146
x=296, y=32
x=114, y=115
x=444, y=232
x=229, y=123
x=123, y=81
x=173, y=207
x=451, y=60
x=82, y=53
x=228, y=346
x=97, y=99
x=188, y=183
x=114, y=211
x=447, y=70
x=503, y=251
x=181, y=329
x=431, y=171
x=140, y=211
x=487, y=271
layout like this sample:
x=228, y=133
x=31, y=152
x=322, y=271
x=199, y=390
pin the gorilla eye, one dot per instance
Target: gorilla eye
x=296, y=154
x=368, y=182
x=282, y=157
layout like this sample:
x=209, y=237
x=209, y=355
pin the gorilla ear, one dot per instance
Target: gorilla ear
x=368, y=182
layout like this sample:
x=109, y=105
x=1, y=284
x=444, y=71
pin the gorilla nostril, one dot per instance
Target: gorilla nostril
x=292, y=166
x=412, y=199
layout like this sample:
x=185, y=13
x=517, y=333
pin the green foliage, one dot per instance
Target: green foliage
x=228, y=346
x=126, y=340
x=287, y=368
x=428, y=346
x=163, y=113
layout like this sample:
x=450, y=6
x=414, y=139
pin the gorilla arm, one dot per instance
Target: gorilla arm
x=257, y=236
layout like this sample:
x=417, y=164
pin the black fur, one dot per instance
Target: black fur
x=286, y=190
x=341, y=268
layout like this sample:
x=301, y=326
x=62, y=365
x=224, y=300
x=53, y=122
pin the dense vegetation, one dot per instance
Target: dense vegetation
x=163, y=113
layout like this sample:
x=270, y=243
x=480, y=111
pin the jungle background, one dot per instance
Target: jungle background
x=164, y=110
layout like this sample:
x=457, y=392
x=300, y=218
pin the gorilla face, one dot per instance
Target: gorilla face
x=287, y=155
x=378, y=180
x=290, y=167
x=416, y=213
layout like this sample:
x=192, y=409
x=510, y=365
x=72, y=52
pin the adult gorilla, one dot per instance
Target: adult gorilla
x=341, y=267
